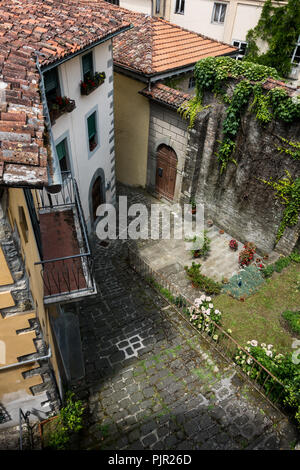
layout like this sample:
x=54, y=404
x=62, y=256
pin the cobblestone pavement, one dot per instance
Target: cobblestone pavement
x=151, y=383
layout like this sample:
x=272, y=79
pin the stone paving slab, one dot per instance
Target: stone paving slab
x=151, y=383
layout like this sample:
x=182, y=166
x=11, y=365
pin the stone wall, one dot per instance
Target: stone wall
x=166, y=127
x=237, y=200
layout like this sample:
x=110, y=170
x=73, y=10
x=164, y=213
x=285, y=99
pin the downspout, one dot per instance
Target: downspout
x=54, y=173
x=28, y=361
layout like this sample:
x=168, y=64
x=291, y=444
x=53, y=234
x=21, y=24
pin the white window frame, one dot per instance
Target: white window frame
x=239, y=56
x=181, y=6
x=219, y=16
x=294, y=53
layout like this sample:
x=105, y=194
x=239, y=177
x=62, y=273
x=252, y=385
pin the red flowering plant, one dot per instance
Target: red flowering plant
x=59, y=106
x=233, y=244
x=247, y=254
x=91, y=82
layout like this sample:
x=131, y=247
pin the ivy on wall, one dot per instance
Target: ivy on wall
x=289, y=148
x=213, y=73
x=288, y=192
x=279, y=27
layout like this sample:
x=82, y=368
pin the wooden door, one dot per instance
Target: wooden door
x=166, y=168
x=97, y=196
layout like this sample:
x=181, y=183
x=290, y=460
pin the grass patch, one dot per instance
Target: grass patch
x=293, y=320
x=259, y=316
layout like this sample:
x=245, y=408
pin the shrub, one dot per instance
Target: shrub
x=268, y=271
x=293, y=319
x=201, y=314
x=69, y=422
x=200, y=240
x=200, y=280
x=281, y=263
x=282, y=367
x=247, y=254
x=233, y=244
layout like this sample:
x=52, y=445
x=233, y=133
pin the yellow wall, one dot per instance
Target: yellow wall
x=31, y=256
x=132, y=113
x=16, y=345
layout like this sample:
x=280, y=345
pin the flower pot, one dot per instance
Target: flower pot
x=221, y=232
x=209, y=223
x=194, y=211
x=196, y=254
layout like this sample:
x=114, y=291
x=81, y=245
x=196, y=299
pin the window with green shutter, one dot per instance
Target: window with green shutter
x=87, y=65
x=92, y=130
x=51, y=82
x=62, y=153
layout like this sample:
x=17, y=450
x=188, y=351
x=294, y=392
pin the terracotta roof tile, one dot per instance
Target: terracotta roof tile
x=166, y=95
x=154, y=45
x=54, y=29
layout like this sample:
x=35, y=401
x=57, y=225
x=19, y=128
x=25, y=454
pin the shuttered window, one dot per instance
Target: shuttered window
x=61, y=150
x=51, y=82
x=87, y=65
x=92, y=130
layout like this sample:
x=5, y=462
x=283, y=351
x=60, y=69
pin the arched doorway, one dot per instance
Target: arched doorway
x=166, y=168
x=97, y=195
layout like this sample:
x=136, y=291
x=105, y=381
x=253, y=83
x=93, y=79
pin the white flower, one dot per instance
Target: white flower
x=215, y=337
x=263, y=345
x=194, y=317
x=249, y=360
x=237, y=357
x=211, y=305
x=203, y=309
x=270, y=346
x=202, y=297
x=269, y=353
x=217, y=311
x=208, y=311
x=208, y=299
x=254, y=343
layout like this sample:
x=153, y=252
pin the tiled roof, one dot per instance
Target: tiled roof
x=166, y=95
x=56, y=29
x=270, y=83
x=154, y=45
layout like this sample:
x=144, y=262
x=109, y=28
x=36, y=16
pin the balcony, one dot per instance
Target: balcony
x=67, y=265
x=60, y=106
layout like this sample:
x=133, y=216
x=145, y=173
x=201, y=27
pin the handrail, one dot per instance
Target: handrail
x=25, y=417
x=173, y=289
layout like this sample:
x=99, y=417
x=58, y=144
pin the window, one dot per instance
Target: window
x=23, y=223
x=242, y=45
x=63, y=157
x=296, y=53
x=87, y=65
x=192, y=83
x=51, y=82
x=179, y=8
x=92, y=131
x=219, y=13
x=114, y=2
x=157, y=7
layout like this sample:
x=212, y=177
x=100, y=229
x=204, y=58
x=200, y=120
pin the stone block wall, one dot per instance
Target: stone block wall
x=166, y=127
x=237, y=200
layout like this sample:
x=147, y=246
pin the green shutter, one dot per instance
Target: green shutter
x=87, y=64
x=92, y=125
x=61, y=150
x=51, y=80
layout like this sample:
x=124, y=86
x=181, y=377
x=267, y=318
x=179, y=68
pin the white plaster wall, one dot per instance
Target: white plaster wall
x=83, y=167
x=246, y=18
x=197, y=17
x=141, y=6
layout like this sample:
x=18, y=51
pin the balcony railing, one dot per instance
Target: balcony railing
x=67, y=265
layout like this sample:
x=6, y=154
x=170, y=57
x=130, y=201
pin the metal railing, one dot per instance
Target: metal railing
x=24, y=418
x=69, y=273
x=264, y=381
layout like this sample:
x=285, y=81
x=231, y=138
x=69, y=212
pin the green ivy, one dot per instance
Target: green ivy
x=279, y=27
x=291, y=148
x=288, y=192
x=213, y=73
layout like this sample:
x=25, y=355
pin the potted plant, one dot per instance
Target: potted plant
x=233, y=244
x=194, y=205
x=92, y=82
x=247, y=254
x=61, y=105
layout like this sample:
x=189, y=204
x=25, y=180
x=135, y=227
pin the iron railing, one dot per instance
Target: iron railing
x=69, y=273
x=24, y=421
x=226, y=345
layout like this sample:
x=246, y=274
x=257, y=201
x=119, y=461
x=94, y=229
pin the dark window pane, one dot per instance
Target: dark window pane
x=87, y=65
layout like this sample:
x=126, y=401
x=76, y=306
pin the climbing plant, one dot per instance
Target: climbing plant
x=279, y=27
x=288, y=192
x=289, y=148
x=213, y=74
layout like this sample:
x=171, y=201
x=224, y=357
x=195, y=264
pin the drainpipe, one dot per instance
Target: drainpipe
x=54, y=173
x=28, y=361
